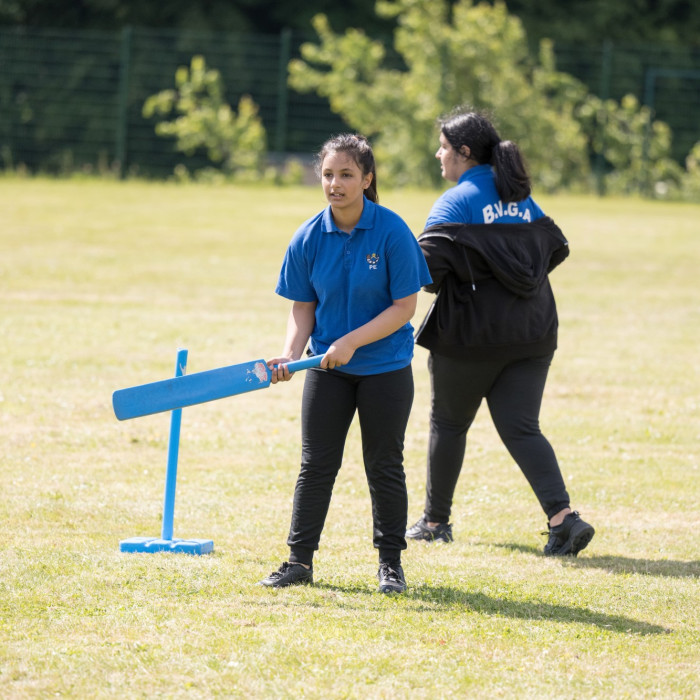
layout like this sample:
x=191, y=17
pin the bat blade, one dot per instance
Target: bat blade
x=200, y=387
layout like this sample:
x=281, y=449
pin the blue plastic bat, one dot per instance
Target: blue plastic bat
x=200, y=387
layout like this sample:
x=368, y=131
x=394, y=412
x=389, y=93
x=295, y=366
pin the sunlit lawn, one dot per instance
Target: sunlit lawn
x=102, y=282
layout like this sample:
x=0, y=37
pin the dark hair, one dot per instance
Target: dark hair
x=465, y=127
x=359, y=149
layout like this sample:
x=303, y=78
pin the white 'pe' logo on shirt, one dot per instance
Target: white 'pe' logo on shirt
x=372, y=261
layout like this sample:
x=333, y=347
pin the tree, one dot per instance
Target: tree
x=468, y=53
x=236, y=141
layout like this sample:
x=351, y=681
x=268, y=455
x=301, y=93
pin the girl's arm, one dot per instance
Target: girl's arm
x=391, y=319
x=300, y=324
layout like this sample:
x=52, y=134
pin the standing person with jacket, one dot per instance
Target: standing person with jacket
x=353, y=273
x=492, y=330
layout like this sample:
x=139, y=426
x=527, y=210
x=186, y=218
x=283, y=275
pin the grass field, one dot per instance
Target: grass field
x=101, y=282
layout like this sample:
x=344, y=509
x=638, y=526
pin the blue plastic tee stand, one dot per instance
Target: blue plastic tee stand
x=166, y=543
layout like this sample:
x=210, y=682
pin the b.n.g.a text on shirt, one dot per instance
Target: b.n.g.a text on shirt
x=498, y=210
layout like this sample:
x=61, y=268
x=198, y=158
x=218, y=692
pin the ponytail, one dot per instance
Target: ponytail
x=512, y=179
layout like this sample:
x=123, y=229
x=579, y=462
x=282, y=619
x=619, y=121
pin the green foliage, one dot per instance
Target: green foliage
x=691, y=182
x=636, y=148
x=478, y=55
x=236, y=141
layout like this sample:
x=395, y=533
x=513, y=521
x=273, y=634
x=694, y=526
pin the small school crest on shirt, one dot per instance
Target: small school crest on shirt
x=372, y=261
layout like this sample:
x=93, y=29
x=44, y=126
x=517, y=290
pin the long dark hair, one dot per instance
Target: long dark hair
x=465, y=127
x=359, y=149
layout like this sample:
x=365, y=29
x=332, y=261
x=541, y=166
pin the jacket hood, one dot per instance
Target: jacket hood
x=519, y=255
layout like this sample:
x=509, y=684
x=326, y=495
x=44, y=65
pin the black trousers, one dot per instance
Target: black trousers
x=513, y=391
x=330, y=400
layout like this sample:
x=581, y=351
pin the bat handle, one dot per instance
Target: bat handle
x=309, y=362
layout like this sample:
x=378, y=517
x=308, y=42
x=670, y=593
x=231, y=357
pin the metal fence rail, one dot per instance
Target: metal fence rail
x=72, y=100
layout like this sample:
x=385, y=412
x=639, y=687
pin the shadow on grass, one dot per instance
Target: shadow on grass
x=532, y=610
x=621, y=565
x=455, y=599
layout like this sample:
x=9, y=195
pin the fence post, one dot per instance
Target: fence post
x=282, y=91
x=605, y=72
x=650, y=76
x=123, y=100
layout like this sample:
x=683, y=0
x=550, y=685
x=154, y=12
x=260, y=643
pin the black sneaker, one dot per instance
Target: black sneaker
x=568, y=538
x=289, y=574
x=422, y=531
x=391, y=578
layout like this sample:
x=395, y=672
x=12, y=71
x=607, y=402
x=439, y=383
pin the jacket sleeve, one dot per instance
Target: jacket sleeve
x=436, y=252
x=558, y=256
x=560, y=250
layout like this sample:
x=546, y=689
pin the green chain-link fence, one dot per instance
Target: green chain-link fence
x=72, y=100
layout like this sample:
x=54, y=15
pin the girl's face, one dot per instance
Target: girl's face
x=453, y=164
x=343, y=182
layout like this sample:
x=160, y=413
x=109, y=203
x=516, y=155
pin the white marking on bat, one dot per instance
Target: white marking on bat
x=259, y=371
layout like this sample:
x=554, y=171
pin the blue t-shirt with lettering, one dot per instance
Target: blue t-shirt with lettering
x=353, y=278
x=474, y=200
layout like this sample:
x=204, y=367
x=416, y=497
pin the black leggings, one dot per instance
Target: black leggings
x=330, y=399
x=513, y=391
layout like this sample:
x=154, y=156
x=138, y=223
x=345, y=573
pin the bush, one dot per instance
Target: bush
x=235, y=141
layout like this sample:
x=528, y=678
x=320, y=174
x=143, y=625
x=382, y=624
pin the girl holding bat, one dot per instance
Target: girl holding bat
x=492, y=330
x=353, y=273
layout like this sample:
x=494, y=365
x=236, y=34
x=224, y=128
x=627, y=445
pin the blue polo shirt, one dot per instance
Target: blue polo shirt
x=353, y=278
x=474, y=200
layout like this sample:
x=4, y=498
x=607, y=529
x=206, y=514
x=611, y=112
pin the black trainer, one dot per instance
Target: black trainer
x=568, y=538
x=391, y=578
x=289, y=574
x=422, y=531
